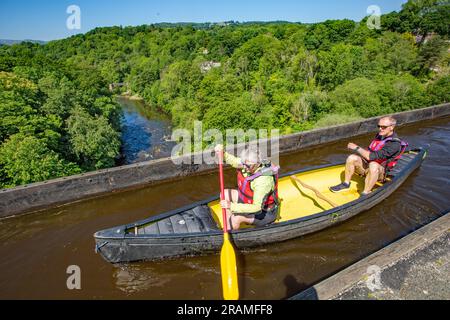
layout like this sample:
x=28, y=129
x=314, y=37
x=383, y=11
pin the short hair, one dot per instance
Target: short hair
x=251, y=155
x=391, y=120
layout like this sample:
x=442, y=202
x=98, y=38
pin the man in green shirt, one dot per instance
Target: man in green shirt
x=255, y=202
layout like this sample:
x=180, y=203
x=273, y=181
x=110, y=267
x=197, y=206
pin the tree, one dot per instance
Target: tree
x=426, y=16
x=392, y=53
x=145, y=71
x=420, y=17
x=20, y=102
x=361, y=34
x=343, y=62
x=15, y=115
x=401, y=93
x=94, y=142
x=239, y=113
x=255, y=49
x=109, y=109
x=311, y=105
x=20, y=89
x=358, y=97
x=339, y=30
x=26, y=159
x=61, y=95
x=439, y=90
x=317, y=38
x=303, y=69
x=431, y=53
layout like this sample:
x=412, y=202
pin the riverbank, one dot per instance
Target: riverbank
x=129, y=96
x=416, y=267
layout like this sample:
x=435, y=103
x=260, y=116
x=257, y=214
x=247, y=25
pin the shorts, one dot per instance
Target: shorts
x=263, y=217
x=365, y=170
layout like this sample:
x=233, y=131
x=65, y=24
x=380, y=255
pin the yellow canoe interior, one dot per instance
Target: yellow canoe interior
x=298, y=202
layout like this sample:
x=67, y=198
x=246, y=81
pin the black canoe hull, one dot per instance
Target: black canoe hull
x=116, y=246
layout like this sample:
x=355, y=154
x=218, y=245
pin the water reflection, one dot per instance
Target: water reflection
x=162, y=279
x=131, y=279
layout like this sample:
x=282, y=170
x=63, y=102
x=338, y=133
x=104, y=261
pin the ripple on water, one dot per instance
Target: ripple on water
x=144, y=132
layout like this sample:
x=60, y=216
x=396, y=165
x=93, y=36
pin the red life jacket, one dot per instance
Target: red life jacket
x=378, y=143
x=246, y=193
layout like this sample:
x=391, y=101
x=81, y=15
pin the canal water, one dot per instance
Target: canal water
x=146, y=132
x=36, y=249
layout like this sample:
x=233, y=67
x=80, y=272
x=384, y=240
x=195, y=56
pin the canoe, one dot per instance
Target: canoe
x=197, y=229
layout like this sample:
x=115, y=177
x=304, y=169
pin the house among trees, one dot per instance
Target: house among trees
x=424, y=39
x=208, y=65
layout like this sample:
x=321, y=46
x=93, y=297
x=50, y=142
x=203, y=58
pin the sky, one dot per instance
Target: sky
x=47, y=19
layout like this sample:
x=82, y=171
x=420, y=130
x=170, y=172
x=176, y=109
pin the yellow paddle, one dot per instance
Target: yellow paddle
x=318, y=194
x=227, y=255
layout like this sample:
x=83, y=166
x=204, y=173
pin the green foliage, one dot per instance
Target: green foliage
x=402, y=93
x=108, y=108
x=302, y=70
x=26, y=159
x=385, y=94
x=391, y=53
x=36, y=99
x=238, y=113
x=61, y=95
x=95, y=143
x=425, y=16
x=361, y=34
x=343, y=62
x=262, y=52
x=439, y=90
x=432, y=53
x=420, y=17
x=334, y=119
x=310, y=106
x=358, y=97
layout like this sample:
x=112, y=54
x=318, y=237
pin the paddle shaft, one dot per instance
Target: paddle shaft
x=222, y=193
x=318, y=194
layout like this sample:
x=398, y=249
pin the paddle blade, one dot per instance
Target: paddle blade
x=229, y=270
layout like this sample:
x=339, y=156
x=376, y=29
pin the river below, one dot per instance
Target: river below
x=146, y=132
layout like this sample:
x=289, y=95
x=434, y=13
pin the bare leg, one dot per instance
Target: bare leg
x=238, y=220
x=353, y=162
x=231, y=195
x=374, y=172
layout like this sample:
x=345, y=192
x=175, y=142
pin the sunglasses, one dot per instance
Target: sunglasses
x=383, y=127
x=248, y=166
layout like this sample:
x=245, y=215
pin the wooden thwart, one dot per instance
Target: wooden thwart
x=318, y=194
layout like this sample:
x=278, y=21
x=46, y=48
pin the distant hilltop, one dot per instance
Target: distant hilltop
x=11, y=42
x=212, y=24
x=195, y=25
x=200, y=25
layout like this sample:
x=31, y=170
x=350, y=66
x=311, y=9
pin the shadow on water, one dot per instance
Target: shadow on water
x=37, y=249
x=293, y=287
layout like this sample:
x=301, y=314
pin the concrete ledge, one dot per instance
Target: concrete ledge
x=348, y=279
x=24, y=199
